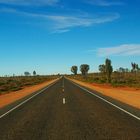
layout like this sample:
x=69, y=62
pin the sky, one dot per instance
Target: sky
x=50, y=36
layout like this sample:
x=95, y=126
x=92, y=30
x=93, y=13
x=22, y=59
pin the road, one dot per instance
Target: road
x=68, y=113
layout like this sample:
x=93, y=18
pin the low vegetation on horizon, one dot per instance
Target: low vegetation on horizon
x=119, y=77
x=15, y=83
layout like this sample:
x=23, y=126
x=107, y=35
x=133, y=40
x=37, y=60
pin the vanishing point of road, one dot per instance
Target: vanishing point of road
x=64, y=111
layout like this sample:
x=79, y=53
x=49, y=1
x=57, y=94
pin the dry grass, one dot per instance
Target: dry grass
x=13, y=96
x=9, y=84
x=118, y=79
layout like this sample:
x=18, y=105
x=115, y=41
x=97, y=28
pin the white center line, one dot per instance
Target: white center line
x=64, y=101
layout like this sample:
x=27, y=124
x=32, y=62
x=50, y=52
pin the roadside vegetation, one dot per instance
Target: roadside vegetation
x=106, y=75
x=15, y=83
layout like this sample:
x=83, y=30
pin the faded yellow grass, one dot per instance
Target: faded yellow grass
x=16, y=95
x=130, y=97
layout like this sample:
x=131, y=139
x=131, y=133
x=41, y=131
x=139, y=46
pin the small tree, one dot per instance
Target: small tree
x=122, y=70
x=27, y=73
x=84, y=68
x=102, y=70
x=74, y=69
x=34, y=73
x=109, y=69
x=135, y=68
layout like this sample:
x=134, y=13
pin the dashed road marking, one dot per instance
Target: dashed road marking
x=64, y=101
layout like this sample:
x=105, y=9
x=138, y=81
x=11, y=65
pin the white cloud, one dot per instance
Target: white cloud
x=104, y=2
x=63, y=23
x=67, y=22
x=29, y=2
x=60, y=23
x=61, y=31
x=122, y=50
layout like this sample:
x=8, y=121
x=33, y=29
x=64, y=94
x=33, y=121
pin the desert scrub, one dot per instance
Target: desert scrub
x=8, y=84
x=117, y=79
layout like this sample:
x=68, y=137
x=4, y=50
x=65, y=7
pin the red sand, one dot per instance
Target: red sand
x=14, y=96
x=130, y=96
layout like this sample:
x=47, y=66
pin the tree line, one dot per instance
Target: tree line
x=105, y=69
x=26, y=73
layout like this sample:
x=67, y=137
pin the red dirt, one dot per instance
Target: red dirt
x=111, y=87
x=14, y=96
x=130, y=96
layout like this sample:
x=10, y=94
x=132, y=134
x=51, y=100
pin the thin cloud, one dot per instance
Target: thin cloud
x=122, y=50
x=29, y=2
x=104, y=2
x=67, y=22
x=57, y=23
x=61, y=31
x=63, y=23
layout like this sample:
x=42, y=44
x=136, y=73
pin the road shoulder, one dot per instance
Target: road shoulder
x=120, y=100
x=17, y=95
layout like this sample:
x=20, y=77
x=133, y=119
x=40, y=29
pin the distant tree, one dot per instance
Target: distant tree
x=121, y=70
x=127, y=70
x=34, y=73
x=26, y=73
x=135, y=68
x=74, y=69
x=102, y=68
x=109, y=69
x=84, y=68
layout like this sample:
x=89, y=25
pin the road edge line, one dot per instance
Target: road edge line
x=25, y=101
x=105, y=100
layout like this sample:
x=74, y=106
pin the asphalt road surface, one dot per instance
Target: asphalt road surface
x=66, y=112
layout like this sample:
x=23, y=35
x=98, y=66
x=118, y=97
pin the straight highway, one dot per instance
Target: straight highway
x=65, y=111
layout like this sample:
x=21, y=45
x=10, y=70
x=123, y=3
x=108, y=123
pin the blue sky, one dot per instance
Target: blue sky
x=50, y=36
